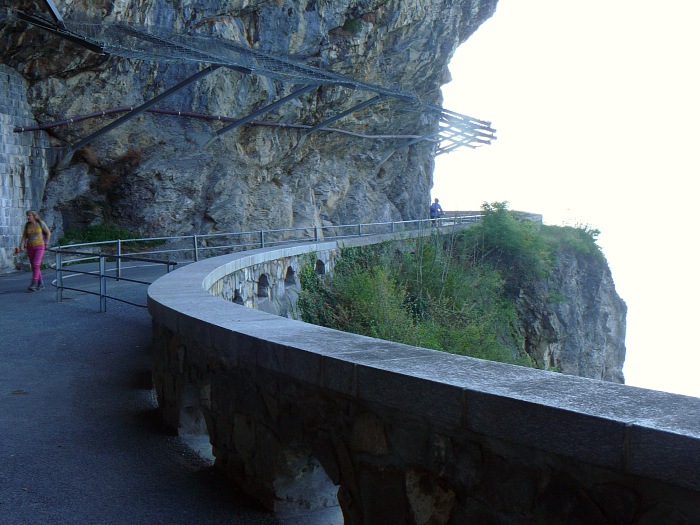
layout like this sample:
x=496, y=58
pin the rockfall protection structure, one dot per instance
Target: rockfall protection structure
x=210, y=53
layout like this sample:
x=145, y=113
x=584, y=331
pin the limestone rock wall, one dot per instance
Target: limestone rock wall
x=575, y=321
x=151, y=175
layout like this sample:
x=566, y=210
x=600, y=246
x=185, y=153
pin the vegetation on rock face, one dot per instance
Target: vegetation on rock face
x=452, y=292
x=96, y=233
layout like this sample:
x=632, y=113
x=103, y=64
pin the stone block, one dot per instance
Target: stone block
x=443, y=404
x=339, y=375
x=587, y=438
x=383, y=496
x=303, y=366
x=619, y=504
x=369, y=435
x=665, y=455
x=409, y=438
x=430, y=503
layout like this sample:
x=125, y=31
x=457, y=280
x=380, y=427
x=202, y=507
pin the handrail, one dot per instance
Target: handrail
x=198, y=243
x=101, y=273
x=262, y=238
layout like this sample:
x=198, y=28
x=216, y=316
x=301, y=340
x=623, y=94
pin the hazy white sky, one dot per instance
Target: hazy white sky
x=597, y=109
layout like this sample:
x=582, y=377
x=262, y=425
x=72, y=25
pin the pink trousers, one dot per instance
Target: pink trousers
x=35, y=254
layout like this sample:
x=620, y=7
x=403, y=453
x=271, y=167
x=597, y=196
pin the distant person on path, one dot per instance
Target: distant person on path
x=35, y=239
x=436, y=211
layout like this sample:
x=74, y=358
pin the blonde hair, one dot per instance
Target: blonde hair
x=37, y=219
x=34, y=214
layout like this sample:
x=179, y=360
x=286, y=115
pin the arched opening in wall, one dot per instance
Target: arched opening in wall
x=263, y=286
x=320, y=267
x=193, y=428
x=237, y=297
x=289, y=279
x=302, y=487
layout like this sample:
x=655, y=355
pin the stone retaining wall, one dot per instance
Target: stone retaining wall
x=23, y=164
x=270, y=286
x=410, y=435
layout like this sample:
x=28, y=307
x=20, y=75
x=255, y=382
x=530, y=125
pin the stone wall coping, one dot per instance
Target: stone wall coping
x=643, y=432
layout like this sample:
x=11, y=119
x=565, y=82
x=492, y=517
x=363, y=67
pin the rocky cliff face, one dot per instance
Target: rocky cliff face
x=575, y=321
x=151, y=175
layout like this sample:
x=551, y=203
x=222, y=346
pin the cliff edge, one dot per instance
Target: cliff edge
x=574, y=321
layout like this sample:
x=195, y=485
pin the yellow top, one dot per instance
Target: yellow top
x=35, y=234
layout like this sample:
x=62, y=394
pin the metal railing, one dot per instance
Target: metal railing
x=102, y=273
x=71, y=258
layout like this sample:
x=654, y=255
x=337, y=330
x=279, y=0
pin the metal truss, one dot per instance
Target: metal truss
x=453, y=130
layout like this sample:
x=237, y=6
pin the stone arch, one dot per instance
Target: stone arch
x=289, y=469
x=263, y=286
x=301, y=483
x=289, y=278
x=320, y=267
x=192, y=427
x=237, y=298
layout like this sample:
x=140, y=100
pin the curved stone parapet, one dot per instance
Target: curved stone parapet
x=305, y=417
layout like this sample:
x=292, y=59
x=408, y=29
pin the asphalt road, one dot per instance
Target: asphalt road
x=81, y=441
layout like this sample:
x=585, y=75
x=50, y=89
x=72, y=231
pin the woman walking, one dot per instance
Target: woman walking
x=35, y=239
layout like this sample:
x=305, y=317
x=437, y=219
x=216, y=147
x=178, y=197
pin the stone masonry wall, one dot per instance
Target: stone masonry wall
x=410, y=436
x=271, y=286
x=23, y=164
x=292, y=443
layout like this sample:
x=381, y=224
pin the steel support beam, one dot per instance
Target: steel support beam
x=261, y=111
x=134, y=113
x=345, y=113
x=410, y=143
x=59, y=31
x=472, y=122
x=446, y=149
x=55, y=14
x=455, y=134
x=210, y=138
x=477, y=127
x=455, y=129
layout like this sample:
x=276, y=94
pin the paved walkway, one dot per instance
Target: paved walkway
x=80, y=439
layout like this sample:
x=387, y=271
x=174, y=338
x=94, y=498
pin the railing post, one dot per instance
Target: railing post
x=262, y=238
x=196, y=250
x=59, y=275
x=119, y=259
x=103, y=284
x=359, y=230
x=393, y=226
x=316, y=233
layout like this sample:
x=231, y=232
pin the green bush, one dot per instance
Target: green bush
x=361, y=297
x=96, y=233
x=581, y=238
x=414, y=297
x=315, y=302
x=516, y=248
x=352, y=26
x=454, y=293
